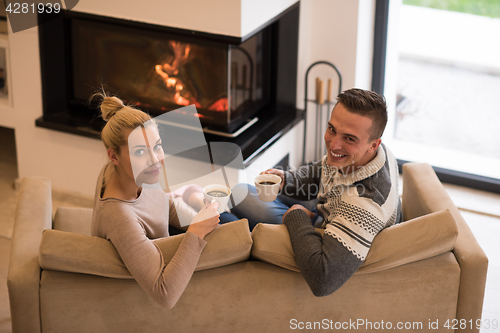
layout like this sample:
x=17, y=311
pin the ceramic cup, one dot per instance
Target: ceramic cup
x=268, y=186
x=219, y=193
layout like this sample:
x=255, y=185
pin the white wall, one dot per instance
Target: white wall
x=71, y=162
x=340, y=32
x=329, y=30
x=225, y=17
x=255, y=13
x=215, y=16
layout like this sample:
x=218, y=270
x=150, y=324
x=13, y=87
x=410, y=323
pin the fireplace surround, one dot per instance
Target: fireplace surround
x=231, y=80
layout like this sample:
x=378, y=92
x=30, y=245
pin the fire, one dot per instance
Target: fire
x=181, y=54
x=169, y=73
x=171, y=82
x=180, y=100
x=220, y=105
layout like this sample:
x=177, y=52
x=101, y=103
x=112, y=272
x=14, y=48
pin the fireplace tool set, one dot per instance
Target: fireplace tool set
x=323, y=109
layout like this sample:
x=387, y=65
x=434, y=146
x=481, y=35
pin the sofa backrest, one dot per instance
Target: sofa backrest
x=77, y=253
x=72, y=219
x=420, y=238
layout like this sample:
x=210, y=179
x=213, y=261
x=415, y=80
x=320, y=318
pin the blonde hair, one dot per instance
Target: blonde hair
x=119, y=118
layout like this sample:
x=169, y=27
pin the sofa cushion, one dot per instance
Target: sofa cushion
x=420, y=238
x=71, y=252
x=73, y=219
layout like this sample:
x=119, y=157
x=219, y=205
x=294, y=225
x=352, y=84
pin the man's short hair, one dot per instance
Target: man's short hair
x=369, y=104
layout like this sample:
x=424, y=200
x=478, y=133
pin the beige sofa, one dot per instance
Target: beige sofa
x=425, y=271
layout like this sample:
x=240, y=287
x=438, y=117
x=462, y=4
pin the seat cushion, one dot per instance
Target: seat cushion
x=71, y=252
x=423, y=237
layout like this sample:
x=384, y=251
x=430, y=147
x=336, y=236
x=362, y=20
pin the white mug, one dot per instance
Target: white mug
x=218, y=196
x=267, y=192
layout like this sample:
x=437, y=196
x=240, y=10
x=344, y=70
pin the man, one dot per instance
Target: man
x=354, y=188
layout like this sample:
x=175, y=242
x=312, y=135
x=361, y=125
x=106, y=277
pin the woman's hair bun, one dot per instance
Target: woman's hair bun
x=109, y=106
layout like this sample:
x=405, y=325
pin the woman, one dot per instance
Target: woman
x=130, y=211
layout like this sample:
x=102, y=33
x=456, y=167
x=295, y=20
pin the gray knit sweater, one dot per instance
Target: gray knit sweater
x=355, y=207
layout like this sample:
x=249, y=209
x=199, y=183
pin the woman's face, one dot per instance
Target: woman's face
x=141, y=157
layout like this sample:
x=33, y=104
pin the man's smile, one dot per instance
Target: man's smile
x=336, y=156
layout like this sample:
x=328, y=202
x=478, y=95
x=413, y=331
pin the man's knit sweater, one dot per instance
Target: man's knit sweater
x=355, y=207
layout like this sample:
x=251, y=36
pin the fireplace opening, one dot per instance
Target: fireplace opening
x=230, y=80
x=227, y=83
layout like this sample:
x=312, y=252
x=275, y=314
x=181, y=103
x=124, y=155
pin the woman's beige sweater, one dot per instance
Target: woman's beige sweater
x=131, y=226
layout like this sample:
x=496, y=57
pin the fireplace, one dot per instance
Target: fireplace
x=161, y=72
x=232, y=81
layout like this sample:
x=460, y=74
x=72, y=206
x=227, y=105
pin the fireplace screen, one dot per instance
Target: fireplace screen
x=162, y=72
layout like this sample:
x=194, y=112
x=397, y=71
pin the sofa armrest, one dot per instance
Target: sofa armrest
x=33, y=215
x=423, y=193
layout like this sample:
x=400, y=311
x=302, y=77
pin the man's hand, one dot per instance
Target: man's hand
x=276, y=172
x=297, y=206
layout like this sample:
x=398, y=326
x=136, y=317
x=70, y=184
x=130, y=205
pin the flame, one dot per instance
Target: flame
x=171, y=82
x=168, y=73
x=181, y=54
x=220, y=105
x=180, y=100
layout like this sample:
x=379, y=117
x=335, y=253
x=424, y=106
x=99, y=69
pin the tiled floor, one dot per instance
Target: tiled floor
x=479, y=209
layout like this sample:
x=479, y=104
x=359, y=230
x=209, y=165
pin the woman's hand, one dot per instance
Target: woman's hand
x=205, y=221
x=279, y=173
